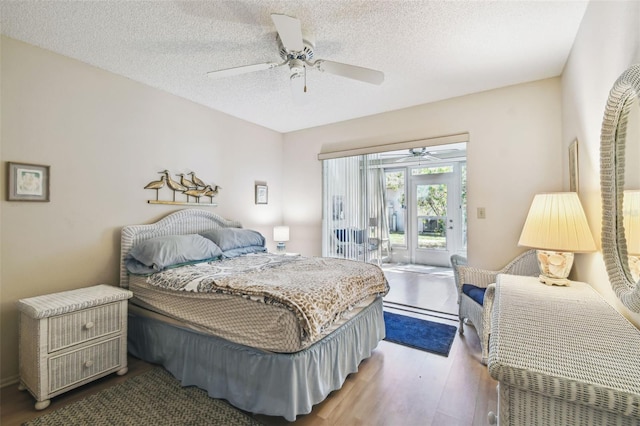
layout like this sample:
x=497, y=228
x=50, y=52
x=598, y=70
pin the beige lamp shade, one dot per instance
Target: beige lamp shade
x=631, y=221
x=557, y=227
x=556, y=221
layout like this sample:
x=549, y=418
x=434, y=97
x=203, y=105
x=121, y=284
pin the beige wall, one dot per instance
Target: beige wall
x=105, y=137
x=514, y=151
x=607, y=43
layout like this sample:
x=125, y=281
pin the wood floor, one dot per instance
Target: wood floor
x=397, y=385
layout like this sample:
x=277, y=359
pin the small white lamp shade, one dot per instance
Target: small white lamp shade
x=281, y=235
x=631, y=223
x=557, y=226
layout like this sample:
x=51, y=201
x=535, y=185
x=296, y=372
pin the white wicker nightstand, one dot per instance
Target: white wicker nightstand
x=70, y=338
x=562, y=356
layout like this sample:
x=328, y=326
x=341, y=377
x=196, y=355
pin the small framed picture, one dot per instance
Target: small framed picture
x=262, y=194
x=573, y=166
x=27, y=182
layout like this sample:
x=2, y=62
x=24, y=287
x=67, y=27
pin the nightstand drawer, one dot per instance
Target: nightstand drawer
x=76, y=327
x=73, y=367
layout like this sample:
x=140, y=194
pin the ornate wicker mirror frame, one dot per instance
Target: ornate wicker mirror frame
x=624, y=93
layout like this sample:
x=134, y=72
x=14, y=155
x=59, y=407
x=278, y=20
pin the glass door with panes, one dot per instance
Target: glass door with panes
x=434, y=215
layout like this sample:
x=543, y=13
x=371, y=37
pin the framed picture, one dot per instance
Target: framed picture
x=262, y=194
x=573, y=166
x=27, y=182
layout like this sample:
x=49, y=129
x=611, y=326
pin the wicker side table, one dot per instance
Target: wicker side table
x=70, y=338
x=562, y=356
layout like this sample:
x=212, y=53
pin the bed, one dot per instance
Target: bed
x=244, y=324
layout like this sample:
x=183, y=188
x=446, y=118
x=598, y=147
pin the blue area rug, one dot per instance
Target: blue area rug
x=419, y=334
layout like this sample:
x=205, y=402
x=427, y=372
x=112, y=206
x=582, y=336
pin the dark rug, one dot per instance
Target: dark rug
x=419, y=334
x=151, y=398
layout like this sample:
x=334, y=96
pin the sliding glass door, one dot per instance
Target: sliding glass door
x=405, y=207
x=355, y=225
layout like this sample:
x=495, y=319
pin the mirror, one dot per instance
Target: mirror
x=631, y=194
x=619, y=144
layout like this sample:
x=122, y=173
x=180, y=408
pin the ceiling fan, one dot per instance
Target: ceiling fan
x=419, y=154
x=298, y=53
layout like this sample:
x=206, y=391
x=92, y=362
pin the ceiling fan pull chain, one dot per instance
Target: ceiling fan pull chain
x=305, y=79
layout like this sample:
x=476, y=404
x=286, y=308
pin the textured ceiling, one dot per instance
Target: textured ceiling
x=428, y=50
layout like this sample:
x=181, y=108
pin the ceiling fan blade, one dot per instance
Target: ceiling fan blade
x=242, y=70
x=350, y=71
x=290, y=32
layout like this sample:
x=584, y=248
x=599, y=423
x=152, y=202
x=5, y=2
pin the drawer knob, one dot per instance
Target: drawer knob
x=89, y=325
x=88, y=363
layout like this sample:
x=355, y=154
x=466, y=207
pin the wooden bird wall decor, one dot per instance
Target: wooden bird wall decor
x=193, y=188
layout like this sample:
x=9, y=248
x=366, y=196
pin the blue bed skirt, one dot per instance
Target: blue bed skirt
x=259, y=382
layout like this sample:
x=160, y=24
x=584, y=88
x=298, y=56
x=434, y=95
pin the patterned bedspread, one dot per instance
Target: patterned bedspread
x=318, y=290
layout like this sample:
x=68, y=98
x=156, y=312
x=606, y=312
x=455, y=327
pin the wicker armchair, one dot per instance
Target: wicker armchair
x=476, y=289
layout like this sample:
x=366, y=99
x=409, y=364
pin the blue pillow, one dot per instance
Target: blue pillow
x=475, y=293
x=232, y=238
x=243, y=250
x=157, y=254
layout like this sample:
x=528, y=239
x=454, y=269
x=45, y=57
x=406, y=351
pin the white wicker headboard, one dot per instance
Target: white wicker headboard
x=187, y=221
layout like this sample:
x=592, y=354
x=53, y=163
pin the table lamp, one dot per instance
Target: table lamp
x=631, y=223
x=281, y=235
x=557, y=227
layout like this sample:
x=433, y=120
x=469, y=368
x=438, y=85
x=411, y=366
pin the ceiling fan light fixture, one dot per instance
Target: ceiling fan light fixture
x=298, y=76
x=299, y=88
x=296, y=66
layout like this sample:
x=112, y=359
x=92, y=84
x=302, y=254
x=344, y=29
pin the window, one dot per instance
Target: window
x=431, y=170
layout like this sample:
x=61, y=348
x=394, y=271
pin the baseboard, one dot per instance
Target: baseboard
x=8, y=381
